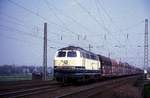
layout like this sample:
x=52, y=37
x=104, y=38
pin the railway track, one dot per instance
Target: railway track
x=91, y=91
x=99, y=88
x=28, y=89
x=71, y=91
x=28, y=92
x=7, y=87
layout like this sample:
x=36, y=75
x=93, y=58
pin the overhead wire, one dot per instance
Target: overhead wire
x=55, y=14
x=18, y=20
x=99, y=12
x=43, y=18
x=29, y=34
x=100, y=15
x=32, y=12
x=71, y=18
x=29, y=43
x=39, y=15
x=20, y=31
x=24, y=41
x=108, y=14
x=93, y=17
x=97, y=2
x=105, y=11
x=133, y=26
x=50, y=10
x=19, y=40
x=21, y=23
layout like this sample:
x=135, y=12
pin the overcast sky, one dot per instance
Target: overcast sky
x=114, y=28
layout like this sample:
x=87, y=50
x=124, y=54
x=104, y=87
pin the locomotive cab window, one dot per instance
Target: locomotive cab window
x=71, y=54
x=83, y=55
x=61, y=54
x=93, y=57
x=87, y=56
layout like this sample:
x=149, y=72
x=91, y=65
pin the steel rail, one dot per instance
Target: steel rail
x=30, y=91
x=89, y=92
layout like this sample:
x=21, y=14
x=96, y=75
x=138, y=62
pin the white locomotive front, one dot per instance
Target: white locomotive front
x=68, y=59
x=75, y=63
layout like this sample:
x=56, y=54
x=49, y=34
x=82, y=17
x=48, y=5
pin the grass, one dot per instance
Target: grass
x=147, y=91
x=16, y=77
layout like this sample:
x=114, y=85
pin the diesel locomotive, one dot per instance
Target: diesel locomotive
x=77, y=64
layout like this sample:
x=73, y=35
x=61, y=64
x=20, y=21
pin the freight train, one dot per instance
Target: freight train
x=77, y=64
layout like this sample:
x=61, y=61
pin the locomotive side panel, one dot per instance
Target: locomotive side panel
x=91, y=61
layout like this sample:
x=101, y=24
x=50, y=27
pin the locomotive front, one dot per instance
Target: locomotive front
x=72, y=64
x=67, y=64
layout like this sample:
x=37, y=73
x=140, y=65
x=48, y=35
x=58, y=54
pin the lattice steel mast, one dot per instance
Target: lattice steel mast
x=146, y=45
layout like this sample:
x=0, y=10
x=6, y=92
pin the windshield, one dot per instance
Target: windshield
x=61, y=54
x=71, y=54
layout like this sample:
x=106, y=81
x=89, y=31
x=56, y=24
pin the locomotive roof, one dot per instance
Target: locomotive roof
x=71, y=48
x=75, y=48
